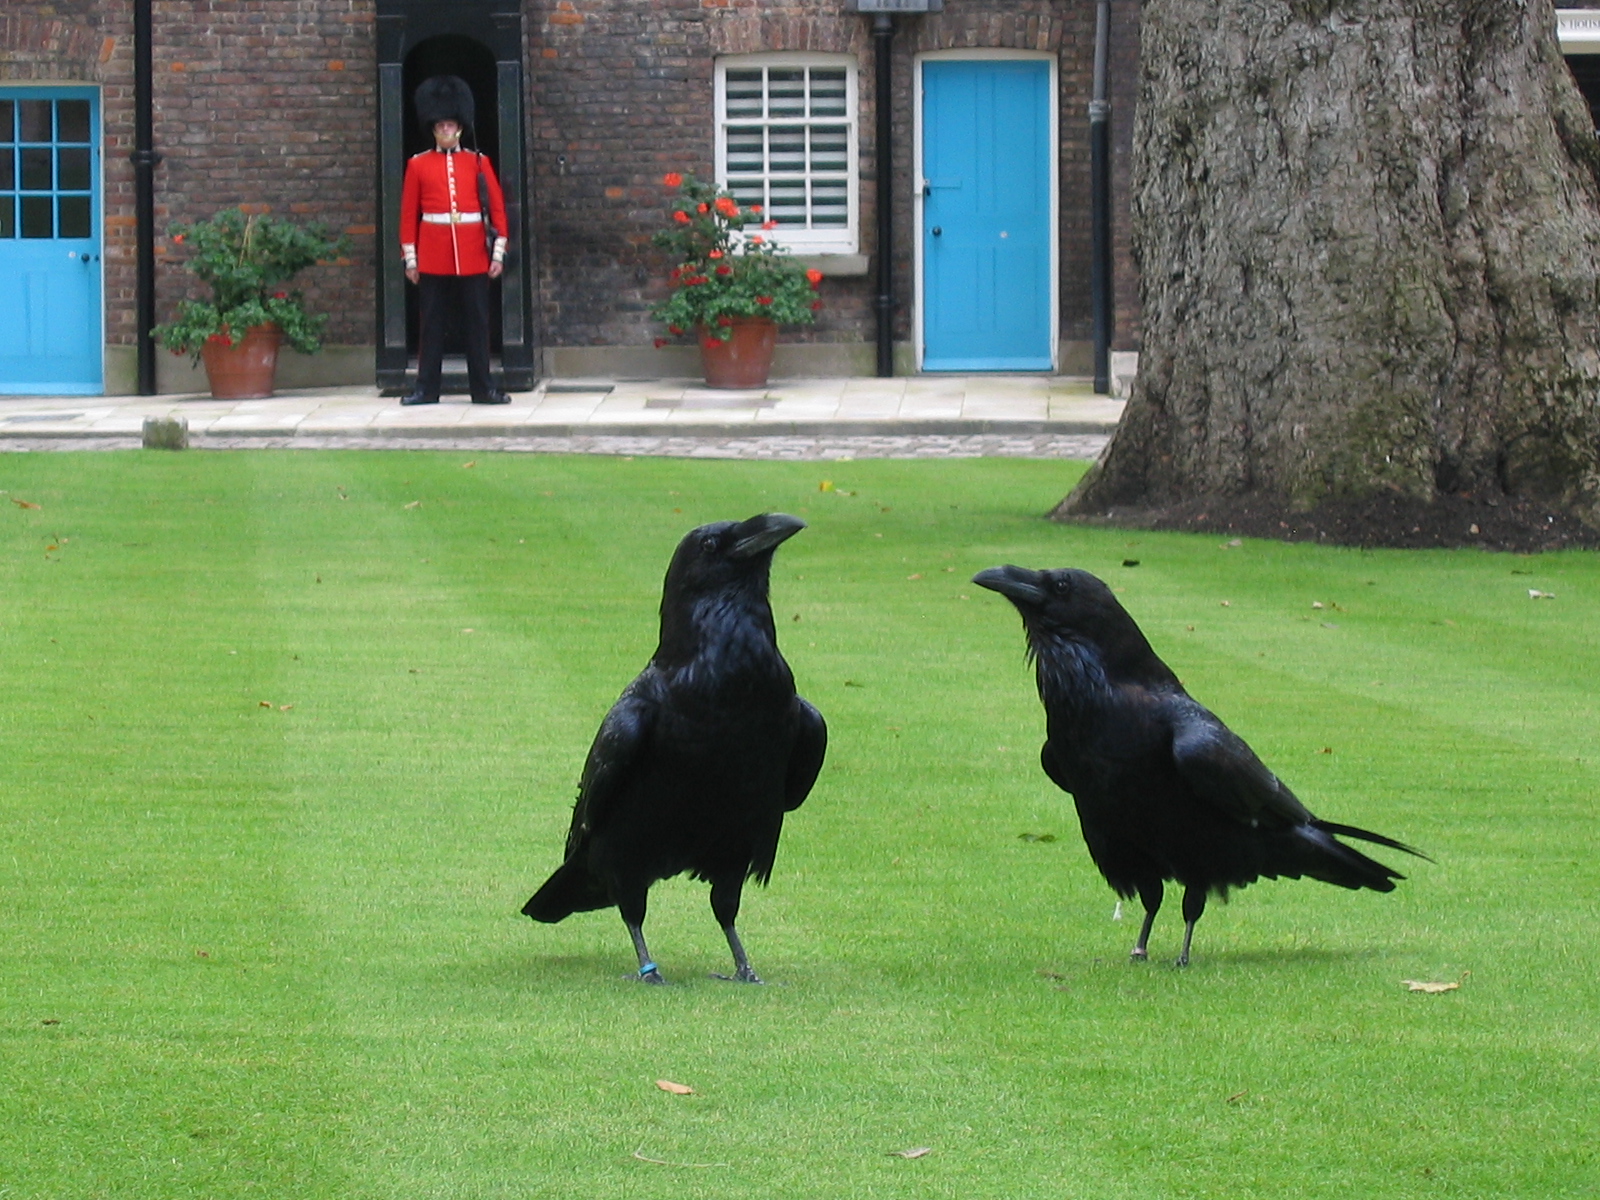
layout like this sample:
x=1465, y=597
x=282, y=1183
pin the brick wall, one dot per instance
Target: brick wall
x=271, y=104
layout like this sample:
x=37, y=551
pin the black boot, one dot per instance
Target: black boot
x=416, y=397
x=493, y=396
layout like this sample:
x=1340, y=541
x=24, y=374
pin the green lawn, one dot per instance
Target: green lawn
x=286, y=739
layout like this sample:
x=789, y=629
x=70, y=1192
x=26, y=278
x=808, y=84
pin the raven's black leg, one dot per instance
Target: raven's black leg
x=1149, y=896
x=725, y=895
x=632, y=907
x=1194, y=903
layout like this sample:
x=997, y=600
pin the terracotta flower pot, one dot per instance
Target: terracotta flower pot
x=245, y=369
x=745, y=359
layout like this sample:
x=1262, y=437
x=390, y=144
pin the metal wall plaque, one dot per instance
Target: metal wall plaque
x=896, y=6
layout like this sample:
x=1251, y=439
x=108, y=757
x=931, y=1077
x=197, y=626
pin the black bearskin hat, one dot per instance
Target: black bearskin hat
x=444, y=98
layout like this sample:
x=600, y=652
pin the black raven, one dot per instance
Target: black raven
x=1164, y=790
x=703, y=753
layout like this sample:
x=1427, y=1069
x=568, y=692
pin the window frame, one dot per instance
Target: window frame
x=843, y=239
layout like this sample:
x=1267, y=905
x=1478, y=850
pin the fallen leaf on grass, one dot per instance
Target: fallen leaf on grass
x=914, y=1152
x=1036, y=837
x=1431, y=988
x=677, y=1089
x=1533, y=593
x=264, y=704
x=23, y=503
x=661, y=1162
x=1227, y=604
x=51, y=1021
x=285, y=707
x=1130, y=562
x=415, y=504
x=914, y=576
x=1236, y=1097
x=468, y=466
x=825, y=486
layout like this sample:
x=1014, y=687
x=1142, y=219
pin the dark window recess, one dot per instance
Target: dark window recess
x=8, y=216
x=37, y=214
x=73, y=217
x=35, y=120
x=72, y=169
x=1586, y=71
x=35, y=169
x=8, y=170
x=8, y=120
x=72, y=121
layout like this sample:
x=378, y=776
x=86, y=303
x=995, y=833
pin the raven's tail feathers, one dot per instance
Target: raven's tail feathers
x=571, y=889
x=1366, y=835
x=1323, y=857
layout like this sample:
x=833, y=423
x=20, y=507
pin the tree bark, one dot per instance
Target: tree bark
x=1369, y=240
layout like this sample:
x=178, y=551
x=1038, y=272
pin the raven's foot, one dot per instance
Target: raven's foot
x=1183, y=961
x=1139, y=954
x=743, y=975
x=650, y=973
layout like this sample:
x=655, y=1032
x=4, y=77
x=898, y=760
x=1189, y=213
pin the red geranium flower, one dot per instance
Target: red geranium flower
x=769, y=224
x=681, y=217
x=763, y=299
x=724, y=270
x=813, y=276
x=280, y=295
x=756, y=239
x=710, y=343
x=715, y=254
x=815, y=305
x=755, y=208
x=672, y=179
x=703, y=208
x=724, y=320
x=660, y=342
x=675, y=274
x=727, y=206
x=674, y=330
x=177, y=239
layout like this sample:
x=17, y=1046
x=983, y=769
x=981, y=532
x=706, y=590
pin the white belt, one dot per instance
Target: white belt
x=452, y=218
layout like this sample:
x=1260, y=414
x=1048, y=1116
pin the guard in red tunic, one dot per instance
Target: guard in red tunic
x=449, y=195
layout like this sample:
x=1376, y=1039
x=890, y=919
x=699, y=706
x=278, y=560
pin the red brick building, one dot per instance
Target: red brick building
x=301, y=107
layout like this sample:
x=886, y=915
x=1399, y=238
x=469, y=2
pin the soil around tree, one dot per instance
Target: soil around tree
x=1448, y=521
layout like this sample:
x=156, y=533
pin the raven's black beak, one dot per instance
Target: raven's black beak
x=763, y=532
x=1017, y=584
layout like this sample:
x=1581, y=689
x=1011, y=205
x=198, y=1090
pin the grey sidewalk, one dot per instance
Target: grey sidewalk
x=1051, y=416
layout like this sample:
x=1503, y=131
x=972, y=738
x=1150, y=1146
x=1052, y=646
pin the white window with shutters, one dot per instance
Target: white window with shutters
x=786, y=140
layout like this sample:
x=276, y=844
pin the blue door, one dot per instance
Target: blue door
x=50, y=337
x=986, y=216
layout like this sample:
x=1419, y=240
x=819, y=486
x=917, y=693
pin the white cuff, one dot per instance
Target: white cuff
x=409, y=253
x=500, y=249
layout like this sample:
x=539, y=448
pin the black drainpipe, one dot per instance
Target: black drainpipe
x=1100, y=299
x=882, y=40
x=144, y=197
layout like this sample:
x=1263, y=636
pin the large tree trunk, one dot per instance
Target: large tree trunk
x=1369, y=236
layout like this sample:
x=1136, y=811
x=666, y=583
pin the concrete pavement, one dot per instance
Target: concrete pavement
x=1051, y=416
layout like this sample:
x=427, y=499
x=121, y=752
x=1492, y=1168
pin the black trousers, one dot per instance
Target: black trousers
x=437, y=296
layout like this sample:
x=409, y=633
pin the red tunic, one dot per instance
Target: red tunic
x=442, y=183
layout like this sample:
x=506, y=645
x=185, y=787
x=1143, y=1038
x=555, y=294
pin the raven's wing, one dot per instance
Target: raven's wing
x=1225, y=772
x=612, y=758
x=805, y=759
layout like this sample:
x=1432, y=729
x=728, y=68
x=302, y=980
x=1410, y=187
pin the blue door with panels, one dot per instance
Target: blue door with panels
x=50, y=241
x=986, y=243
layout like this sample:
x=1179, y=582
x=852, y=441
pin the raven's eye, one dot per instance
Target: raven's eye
x=708, y=543
x=1061, y=586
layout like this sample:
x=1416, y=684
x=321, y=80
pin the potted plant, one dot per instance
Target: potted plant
x=247, y=260
x=730, y=289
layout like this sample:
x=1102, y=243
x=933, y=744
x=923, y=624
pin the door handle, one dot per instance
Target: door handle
x=937, y=230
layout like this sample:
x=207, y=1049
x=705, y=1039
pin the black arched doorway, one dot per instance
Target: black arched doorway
x=480, y=41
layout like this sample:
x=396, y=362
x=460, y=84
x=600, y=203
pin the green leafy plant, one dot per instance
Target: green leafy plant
x=247, y=259
x=721, y=272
